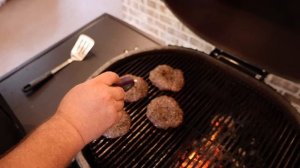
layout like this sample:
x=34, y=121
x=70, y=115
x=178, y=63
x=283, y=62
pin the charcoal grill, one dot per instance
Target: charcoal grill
x=230, y=118
x=256, y=127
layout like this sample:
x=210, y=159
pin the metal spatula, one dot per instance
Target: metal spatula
x=80, y=50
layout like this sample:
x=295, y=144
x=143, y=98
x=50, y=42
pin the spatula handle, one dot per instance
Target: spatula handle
x=38, y=82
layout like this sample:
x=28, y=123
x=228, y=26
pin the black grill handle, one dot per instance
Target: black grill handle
x=253, y=71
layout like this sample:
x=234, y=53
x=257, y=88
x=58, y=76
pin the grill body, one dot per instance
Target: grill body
x=230, y=119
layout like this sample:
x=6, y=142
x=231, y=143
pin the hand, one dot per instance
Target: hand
x=93, y=106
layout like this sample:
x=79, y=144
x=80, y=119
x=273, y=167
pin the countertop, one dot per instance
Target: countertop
x=112, y=37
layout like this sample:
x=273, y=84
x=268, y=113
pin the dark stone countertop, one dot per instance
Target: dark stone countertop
x=112, y=37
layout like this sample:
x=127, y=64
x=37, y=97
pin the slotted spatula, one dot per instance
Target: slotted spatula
x=80, y=50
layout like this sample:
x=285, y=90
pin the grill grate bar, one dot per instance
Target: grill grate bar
x=297, y=160
x=293, y=154
x=283, y=149
x=278, y=142
x=289, y=153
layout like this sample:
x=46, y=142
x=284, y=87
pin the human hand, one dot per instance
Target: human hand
x=93, y=106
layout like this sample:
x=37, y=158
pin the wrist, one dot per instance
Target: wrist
x=56, y=137
x=69, y=129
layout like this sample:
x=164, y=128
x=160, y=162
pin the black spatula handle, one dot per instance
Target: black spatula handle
x=36, y=83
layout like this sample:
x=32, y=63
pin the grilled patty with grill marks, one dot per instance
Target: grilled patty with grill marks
x=138, y=91
x=167, y=78
x=164, y=112
x=120, y=128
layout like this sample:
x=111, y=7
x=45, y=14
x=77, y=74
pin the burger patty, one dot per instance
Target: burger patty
x=167, y=78
x=139, y=89
x=120, y=128
x=164, y=112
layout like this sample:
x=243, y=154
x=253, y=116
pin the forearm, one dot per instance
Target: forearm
x=53, y=144
x=84, y=113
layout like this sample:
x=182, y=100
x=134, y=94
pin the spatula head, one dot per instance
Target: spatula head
x=82, y=47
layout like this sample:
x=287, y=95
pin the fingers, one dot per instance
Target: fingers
x=120, y=114
x=119, y=105
x=117, y=93
x=108, y=78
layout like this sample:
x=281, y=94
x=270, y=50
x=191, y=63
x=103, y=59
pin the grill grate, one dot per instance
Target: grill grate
x=226, y=122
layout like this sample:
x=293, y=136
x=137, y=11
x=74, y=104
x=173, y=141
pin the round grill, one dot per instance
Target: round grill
x=230, y=120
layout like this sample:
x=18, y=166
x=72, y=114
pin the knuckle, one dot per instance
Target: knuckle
x=122, y=104
x=121, y=92
x=119, y=116
x=113, y=74
x=117, y=108
x=112, y=110
x=109, y=73
x=79, y=86
x=106, y=96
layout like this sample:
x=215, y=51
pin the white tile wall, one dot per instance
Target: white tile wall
x=153, y=17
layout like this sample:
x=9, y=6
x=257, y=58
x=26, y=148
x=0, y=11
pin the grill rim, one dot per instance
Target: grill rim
x=265, y=90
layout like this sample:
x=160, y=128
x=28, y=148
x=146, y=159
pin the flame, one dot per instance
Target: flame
x=214, y=135
x=195, y=161
x=198, y=160
x=192, y=155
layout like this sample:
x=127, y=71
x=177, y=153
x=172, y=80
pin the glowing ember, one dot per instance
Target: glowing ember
x=203, y=156
x=206, y=155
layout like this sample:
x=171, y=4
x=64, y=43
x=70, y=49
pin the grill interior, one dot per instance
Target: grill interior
x=227, y=122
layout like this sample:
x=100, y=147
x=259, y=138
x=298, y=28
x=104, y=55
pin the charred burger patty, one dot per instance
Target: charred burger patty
x=120, y=128
x=138, y=91
x=167, y=78
x=164, y=112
